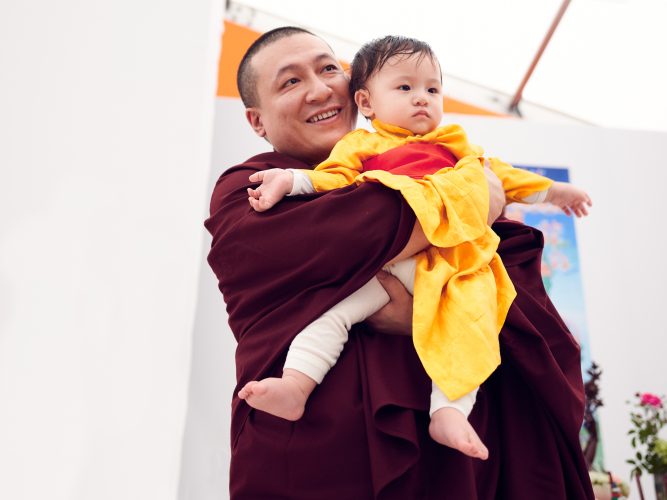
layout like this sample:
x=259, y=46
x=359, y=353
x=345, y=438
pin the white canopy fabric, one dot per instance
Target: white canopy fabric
x=605, y=63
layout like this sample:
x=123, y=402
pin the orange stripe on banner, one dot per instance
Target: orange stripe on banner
x=235, y=41
x=455, y=106
x=237, y=38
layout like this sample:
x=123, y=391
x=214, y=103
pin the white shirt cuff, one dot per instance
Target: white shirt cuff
x=301, y=184
x=536, y=197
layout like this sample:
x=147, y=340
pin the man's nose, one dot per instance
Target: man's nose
x=318, y=90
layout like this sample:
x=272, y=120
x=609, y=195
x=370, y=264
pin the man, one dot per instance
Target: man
x=364, y=434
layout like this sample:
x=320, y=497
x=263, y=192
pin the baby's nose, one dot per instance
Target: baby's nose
x=419, y=100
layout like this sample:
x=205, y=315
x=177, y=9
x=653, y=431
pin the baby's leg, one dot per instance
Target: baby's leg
x=449, y=424
x=283, y=397
x=449, y=419
x=312, y=354
x=405, y=272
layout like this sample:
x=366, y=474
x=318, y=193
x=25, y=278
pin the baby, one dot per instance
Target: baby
x=461, y=289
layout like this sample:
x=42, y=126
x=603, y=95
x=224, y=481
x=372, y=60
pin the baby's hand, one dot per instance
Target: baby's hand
x=276, y=183
x=570, y=198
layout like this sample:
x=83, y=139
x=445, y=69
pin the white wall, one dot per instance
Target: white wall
x=206, y=453
x=106, y=113
x=620, y=247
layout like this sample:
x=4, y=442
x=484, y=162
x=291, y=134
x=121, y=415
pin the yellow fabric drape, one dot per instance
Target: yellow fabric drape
x=462, y=290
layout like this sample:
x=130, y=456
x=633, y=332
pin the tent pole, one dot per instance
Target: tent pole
x=514, y=105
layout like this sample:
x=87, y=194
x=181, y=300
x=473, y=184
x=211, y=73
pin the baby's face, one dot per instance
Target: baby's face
x=407, y=91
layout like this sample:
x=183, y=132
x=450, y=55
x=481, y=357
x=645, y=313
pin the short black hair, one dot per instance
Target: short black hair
x=374, y=55
x=246, y=80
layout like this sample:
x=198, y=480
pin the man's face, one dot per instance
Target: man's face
x=304, y=105
x=407, y=92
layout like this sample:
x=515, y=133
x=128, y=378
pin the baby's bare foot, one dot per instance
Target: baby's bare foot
x=281, y=397
x=450, y=427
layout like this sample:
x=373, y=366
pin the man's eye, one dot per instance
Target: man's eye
x=291, y=81
x=331, y=67
x=404, y=87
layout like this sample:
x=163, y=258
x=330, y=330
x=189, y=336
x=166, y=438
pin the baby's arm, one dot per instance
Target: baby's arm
x=570, y=198
x=527, y=187
x=519, y=185
x=339, y=170
x=277, y=183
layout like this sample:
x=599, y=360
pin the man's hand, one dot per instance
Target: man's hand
x=276, y=184
x=496, y=194
x=396, y=317
x=570, y=198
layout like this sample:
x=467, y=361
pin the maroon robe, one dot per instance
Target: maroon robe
x=364, y=433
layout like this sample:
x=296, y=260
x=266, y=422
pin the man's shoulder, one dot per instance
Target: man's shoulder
x=232, y=184
x=264, y=161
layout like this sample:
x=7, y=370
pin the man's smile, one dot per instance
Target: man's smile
x=324, y=115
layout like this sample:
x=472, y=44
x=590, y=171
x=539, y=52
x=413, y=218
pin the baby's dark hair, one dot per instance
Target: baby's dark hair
x=374, y=55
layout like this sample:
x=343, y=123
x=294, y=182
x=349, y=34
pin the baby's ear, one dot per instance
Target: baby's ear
x=363, y=100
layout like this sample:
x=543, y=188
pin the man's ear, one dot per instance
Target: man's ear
x=255, y=120
x=363, y=99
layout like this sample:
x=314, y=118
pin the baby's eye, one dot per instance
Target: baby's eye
x=404, y=87
x=433, y=90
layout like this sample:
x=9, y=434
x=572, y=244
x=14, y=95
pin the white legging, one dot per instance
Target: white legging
x=317, y=347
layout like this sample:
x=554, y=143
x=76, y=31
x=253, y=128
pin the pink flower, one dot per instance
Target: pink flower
x=648, y=399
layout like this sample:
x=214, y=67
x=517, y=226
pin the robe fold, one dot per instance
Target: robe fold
x=364, y=434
